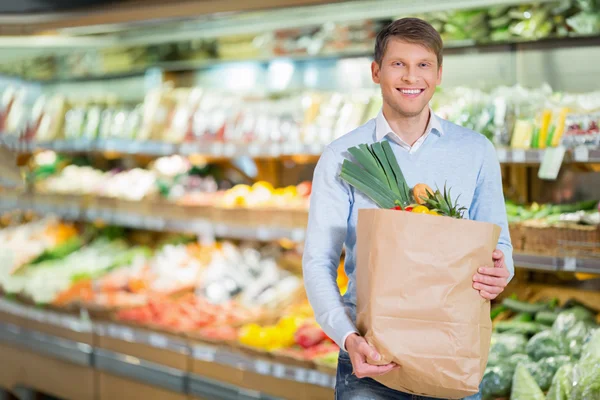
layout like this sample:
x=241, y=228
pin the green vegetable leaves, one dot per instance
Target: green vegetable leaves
x=524, y=386
x=377, y=174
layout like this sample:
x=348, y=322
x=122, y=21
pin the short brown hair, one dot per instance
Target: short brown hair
x=411, y=30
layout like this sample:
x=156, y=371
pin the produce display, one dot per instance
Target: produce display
x=34, y=242
x=585, y=213
x=523, y=118
x=509, y=116
x=534, y=348
x=517, y=23
x=525, y=22
x=218, y=292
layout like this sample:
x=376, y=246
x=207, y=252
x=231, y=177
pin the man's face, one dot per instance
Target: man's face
x=408, y=76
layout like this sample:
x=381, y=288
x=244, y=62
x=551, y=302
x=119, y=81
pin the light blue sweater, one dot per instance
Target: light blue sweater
x=466, y=160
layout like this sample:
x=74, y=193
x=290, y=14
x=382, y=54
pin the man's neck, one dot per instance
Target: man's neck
x=409, y=129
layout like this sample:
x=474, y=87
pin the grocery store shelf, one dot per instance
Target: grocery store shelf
x=141, y=370
x=535, y=156
x=253, y=149
x=56, y=347
x=456, y=47
x=153, y=373
x=255, y=224
x=153, y=148
x=550, y=263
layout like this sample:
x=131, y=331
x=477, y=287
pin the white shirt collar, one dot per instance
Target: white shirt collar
x=382, y=129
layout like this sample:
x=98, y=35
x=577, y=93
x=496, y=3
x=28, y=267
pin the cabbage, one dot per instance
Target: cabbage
x=546, y=344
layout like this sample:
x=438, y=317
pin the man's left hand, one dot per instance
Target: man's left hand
x=491, y=281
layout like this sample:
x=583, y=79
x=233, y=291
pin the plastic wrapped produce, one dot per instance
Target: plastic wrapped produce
x=546, y=344
x=586, y=375
x=561, y=383
x=506, y=344
x=524, y=386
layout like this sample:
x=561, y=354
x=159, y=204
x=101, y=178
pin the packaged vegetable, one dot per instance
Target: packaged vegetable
x=567, y=319
x=577, y=336
x=497, y=381
x=524, y=386
x=506, y=344
x=546, y=344
x=546, y=368
x=586, y=375
x=561, y=383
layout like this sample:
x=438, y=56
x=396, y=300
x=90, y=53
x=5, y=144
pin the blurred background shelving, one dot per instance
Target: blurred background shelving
x=155, y=174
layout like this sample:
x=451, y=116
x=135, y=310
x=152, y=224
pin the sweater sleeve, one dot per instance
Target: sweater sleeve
x=326, y=232
x=488, y=202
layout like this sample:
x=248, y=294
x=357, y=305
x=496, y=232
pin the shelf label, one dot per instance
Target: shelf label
x=300, y=375
x=316, y=149
x=314, y=377
x=204, y=353
x=502, y=155
x=230, y=149
x=551, y=163
x=570, y=264
x=519, y=155
x=157, y=340
x=278, y=371
x=262, y=367
x=254, y=149
x=217, y=149
x=274, y=150
x=581, y=154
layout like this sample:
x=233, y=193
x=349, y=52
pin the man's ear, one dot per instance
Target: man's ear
x=375, y=72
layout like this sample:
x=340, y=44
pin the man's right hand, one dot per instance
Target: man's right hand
x=359, y=350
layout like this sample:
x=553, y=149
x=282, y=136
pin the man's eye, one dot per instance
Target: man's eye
x=424, y=65
x=398, y=63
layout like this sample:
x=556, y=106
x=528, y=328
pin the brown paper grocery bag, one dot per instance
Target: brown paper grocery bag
x=416, y=303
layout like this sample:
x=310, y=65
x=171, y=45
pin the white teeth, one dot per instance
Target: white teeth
x=411, y=91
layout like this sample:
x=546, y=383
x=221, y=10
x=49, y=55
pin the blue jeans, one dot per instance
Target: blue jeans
x=349, y=387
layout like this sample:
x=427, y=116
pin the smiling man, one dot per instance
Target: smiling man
x=407, y=67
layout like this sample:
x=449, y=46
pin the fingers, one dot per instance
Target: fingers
x=497, y=255
x=487, y=295
x=363, y=370
x=489, y=289
x=360, y=365
x=368, y=351
x=492, y=271
x=490, y=280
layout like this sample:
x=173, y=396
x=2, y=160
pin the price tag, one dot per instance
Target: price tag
x=217, y=149
x=518, y=156
x=121, y=332
x=581, y=154
x=274, y=149
x=502, y=155
x=300, y=375
x=254, y=149
x=325, y=380
x=313, y=377
x=551, y=163
x=230, y=149
x=278, y=371
x=316, y=148
x=157, y=340
x=204, y=353
x=186, y=149
x=297, y=235
x=570, y=264
x=262, y=367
